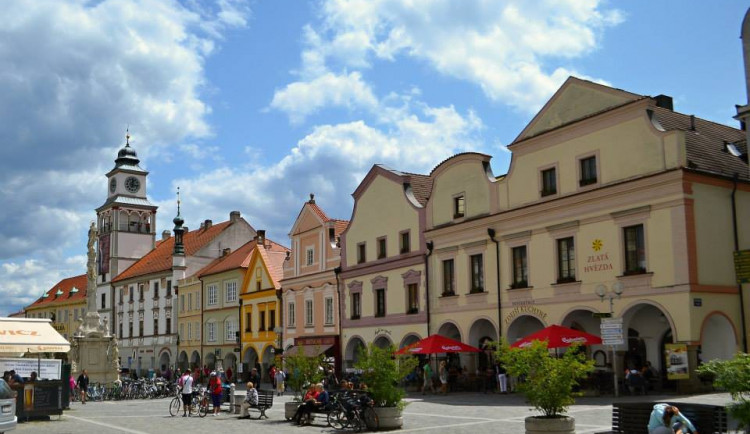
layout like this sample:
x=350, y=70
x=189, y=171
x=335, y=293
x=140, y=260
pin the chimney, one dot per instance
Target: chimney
x=312, y=199
x=165, y=235
x=664, y=101
x=234, y=216
x=692, y=122
x=226, y=251
x=207, y=224
x=186, y=229
x=262, y=237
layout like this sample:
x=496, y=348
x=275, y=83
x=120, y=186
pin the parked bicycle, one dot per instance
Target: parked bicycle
x=353, y=412
x=199, y=402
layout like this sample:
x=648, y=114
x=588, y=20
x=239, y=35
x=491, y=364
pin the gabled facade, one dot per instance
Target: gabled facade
x=608, y=192
x=260, y=294
x=64, y=304
x=384, y=290
x=310, y=293
x=145, y=296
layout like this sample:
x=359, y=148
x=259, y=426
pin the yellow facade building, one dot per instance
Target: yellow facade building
x=64, y=304
x=260, y=294
x=189, y=323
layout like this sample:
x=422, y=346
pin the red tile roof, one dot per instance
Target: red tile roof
x=274, y=260
x=160, y=258
x=66, y=293
x=240, y=258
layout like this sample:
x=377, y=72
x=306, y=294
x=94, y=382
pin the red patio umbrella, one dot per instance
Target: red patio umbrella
x=559, y=336
x=437, y=344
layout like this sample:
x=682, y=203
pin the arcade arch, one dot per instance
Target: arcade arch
x=718, y=339
x=351, y=353
x=522, y=326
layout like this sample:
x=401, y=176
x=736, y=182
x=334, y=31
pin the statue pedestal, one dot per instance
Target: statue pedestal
x=95, y=355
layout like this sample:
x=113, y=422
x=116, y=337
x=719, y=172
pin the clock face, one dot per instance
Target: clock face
x=112, y=185
x=132, y=184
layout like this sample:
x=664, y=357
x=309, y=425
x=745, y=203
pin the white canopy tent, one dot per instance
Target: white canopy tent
x=30, y=335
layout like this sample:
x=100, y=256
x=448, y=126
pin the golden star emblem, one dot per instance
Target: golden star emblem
x=597, y=244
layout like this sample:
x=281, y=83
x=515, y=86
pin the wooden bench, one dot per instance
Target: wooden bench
x=265, y=401
x=633, y=417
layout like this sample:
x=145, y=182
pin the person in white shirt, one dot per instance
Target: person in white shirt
x=186, y=381
x=279, y=377
x=251, y=399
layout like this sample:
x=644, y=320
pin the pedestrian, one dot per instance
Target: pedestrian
x=214, y=386
x=502, y=377
x=83, y=385
x=251, y=399
x=255, y=377
x=427, y=377
x=186, y=383
x=228, y=373
x=279, y=378
x=443, y=374
x=272, y=375
x=72, y=384
x=667, y=419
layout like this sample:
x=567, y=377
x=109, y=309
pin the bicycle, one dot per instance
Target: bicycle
x=353, y=413
x=199, y=403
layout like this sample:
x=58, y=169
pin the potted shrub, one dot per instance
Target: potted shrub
x=383, y=373
x=732, y=376
x=548, y=382
x=302, y=370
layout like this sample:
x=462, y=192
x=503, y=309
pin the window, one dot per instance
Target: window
x=119, y=330
x=291, y=315
x=182, y=303
x=104, y=300
x=140, y=327
x=310, y=255
x=262, y=323
x=361, y=253
x=329, y=311
x=635, y=251
x=155, y=325
x=212, y=298
x=381, y=248
x=211, y=331
x=132, y=292
x=520, y=270
x=448, y=282
x=356, y=305
x=130, y=329
x=169, y=288
x=413, y=292
x=477, y=273
x=230, y=328
x=197, y=328
x=231, y=291
x=271, y=319
x=140, y=292
x=308, y=312
x=248, y=322
x=405, y=246
x=121, y=294
x=168, y=328
x=588, y=171
x=549, y=182
x=190, y=301
x=156, y=289
x=190, y=331
x=380, y=302
x=459, y=206
x=566, y=260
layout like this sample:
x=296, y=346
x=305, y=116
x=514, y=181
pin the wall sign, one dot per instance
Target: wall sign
x=525, y=309
x=599, y=261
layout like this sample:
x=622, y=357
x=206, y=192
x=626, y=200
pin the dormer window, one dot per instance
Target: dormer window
x=405, y=244
x=459, y=206
x=588, y=171
x=361, y=253
x=310, y=256
x=381, y=248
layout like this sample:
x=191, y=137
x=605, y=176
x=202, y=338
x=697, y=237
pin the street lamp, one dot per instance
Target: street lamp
x=612, y=326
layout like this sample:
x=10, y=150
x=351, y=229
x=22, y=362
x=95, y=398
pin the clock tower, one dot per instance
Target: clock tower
x=126, y=224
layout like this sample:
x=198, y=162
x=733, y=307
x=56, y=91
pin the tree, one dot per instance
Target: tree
x=734, y=377
x=546, y=380
x=383, y=372
x=303, y=370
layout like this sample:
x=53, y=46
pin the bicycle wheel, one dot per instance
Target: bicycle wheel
x=370, y=418
x=203, y=406
x=337, y=419
x=356, y=423
x=174, y=406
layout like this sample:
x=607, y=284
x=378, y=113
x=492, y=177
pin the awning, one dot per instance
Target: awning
x=308, y=350
x=30, y=335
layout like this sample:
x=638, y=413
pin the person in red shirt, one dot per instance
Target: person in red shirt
x=214, y=385
x=228, y=372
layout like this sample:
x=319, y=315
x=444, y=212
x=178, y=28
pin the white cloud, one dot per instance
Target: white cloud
x=514, y=50
x=300, y=99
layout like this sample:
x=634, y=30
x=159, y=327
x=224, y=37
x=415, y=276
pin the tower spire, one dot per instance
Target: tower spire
x=179, y=231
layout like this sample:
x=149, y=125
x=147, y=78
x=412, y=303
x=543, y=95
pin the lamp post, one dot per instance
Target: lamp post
x=613, y=326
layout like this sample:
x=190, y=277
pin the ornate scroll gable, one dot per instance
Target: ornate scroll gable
x=379, y=282
x=412, y=276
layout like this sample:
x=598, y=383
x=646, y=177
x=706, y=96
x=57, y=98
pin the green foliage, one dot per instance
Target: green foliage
x=549, y=380
x=303, y=370
x=734, y=377
x=383, y=372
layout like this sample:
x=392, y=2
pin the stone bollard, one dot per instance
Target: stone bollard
x=232, y=398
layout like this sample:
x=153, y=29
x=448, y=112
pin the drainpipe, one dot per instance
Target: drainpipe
x=430, y=246
x=736, y=249
x=240, y=330
x=491, y=234
x=339, y=370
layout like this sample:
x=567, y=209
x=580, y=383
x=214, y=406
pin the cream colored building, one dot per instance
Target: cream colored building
x=383, y=263
x=607, y=189
x=189, y=316
x=310, y=297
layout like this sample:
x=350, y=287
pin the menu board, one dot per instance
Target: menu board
x=676, y=357
x=42, y=398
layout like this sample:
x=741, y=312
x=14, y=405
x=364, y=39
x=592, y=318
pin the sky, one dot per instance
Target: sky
x=251, y=105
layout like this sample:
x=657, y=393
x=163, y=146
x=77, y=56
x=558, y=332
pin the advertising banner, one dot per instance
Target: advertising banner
x=50, y=368
x=676, y=357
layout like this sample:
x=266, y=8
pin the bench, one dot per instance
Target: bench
x=265, y=401
x=633, y=417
